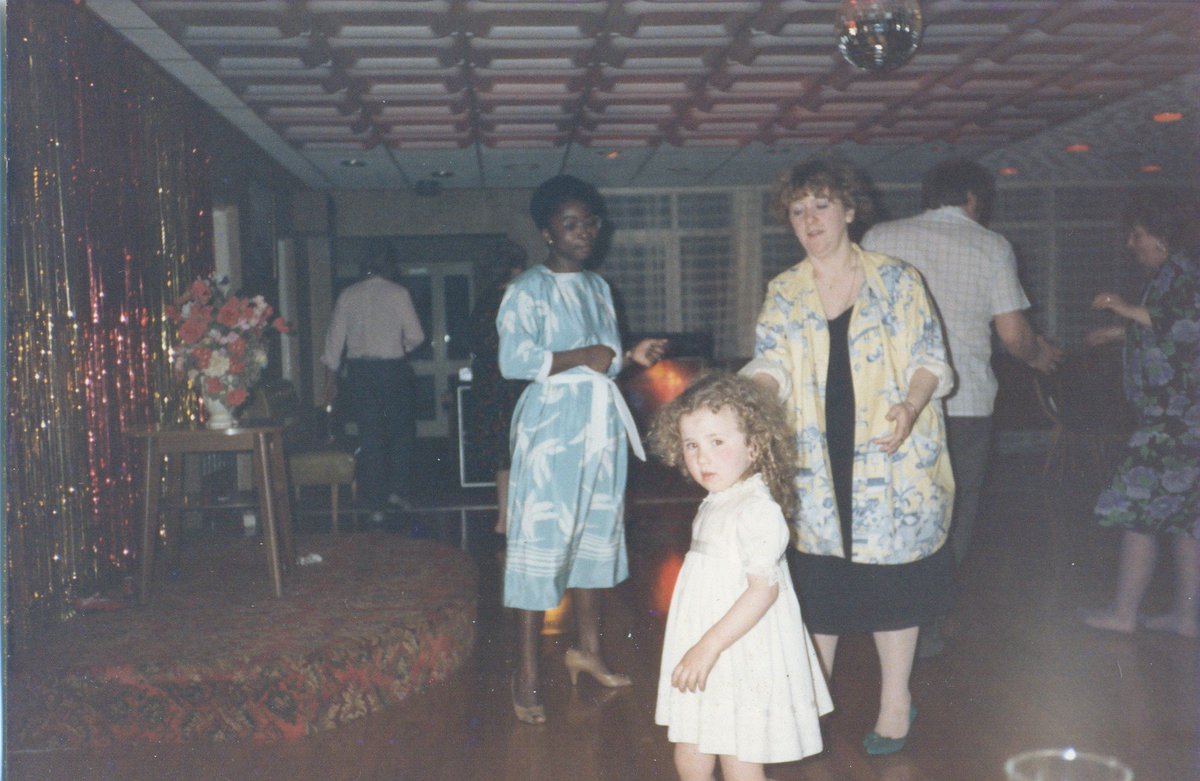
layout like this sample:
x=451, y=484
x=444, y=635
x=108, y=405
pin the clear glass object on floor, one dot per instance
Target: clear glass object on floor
x=1065, y=764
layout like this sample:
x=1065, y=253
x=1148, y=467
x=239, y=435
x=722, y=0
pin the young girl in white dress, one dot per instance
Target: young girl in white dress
x=740, y=679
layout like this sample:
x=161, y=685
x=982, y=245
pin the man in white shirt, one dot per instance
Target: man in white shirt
x=375, y=325
x=972, y=275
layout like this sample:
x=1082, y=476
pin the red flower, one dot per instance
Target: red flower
x=201, y=357
x=230, y=313
x=194, y=327
x=230, y=325
x=200, y=291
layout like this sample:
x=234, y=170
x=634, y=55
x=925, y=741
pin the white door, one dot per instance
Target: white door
x=442, y=294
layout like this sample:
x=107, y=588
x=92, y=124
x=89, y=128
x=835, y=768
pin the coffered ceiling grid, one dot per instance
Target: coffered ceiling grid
x=504, y=93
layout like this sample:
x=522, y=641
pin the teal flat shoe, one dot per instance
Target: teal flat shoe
x=877, y=746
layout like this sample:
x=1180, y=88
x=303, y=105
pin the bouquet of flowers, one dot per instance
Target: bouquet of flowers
x=222, y=340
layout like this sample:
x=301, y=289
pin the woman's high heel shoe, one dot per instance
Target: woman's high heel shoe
x=577, y=661
x=527, y=714
x=878, y=746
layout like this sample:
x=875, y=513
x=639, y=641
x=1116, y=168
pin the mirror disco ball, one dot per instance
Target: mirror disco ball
x=879, y=36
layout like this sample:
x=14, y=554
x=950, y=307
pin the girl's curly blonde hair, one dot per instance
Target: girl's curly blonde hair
x=760, y=417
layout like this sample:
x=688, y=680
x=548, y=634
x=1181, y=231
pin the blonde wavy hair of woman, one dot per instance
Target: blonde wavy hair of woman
x=760, y=417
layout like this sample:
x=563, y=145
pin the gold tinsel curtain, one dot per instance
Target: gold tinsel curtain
x=108, y=220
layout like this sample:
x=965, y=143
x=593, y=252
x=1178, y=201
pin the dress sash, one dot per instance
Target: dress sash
x=604, y=391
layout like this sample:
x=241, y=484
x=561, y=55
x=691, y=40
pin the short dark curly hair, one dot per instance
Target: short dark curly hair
x=551, y=194
x=1167, y=215
x=761, y=417
x=825, y=175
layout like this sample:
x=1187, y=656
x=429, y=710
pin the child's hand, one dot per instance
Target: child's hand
x=692, y=671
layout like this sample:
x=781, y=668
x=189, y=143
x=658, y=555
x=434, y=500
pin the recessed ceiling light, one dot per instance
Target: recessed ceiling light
x=1151, y=168
x=353, y=162
x=613, y=155
x=1008, y=170
x=1077, y=149
x=441, y=173
x=1165, y=117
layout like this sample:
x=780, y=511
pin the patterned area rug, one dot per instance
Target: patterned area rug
x=215, y=656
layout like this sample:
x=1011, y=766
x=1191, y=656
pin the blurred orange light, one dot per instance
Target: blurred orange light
x=1150, y=168
x=664, y=583
x=1078, y=148
x=612, y=155
x=1008, y=171
x=1165, y=117
x=555, y=620
x=667, y=379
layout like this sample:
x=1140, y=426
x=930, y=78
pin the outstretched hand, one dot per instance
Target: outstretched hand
x=648, y=351
x=904, y=415
x=1098, y=337
x=1113, y=302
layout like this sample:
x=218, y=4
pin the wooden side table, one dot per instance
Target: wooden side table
x=270, y=484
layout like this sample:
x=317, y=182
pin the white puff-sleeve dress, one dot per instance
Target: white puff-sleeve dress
x=766, y=692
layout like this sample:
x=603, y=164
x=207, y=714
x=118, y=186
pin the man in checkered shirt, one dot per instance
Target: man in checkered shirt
x=972, y=274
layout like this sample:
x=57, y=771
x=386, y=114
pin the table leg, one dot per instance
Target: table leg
x=283, y=499
x=266, y=499
x=172, y=523
x=150, y=489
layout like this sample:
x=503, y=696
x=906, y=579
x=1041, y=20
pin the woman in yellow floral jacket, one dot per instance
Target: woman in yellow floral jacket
x=850, y=340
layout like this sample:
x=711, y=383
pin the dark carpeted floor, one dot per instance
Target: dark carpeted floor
x=216, y=656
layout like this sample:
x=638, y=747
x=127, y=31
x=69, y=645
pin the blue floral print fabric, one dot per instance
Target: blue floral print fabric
x=1156, y=488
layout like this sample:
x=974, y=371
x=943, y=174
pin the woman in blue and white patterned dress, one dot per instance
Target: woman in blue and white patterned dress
x=558, y=329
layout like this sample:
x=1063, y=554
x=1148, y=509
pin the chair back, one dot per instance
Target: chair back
x=1086, y=394
x=274, y=400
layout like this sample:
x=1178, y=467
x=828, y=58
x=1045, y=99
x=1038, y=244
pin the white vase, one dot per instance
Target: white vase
x=219, y=416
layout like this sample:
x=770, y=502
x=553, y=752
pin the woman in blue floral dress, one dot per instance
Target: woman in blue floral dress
x=570, y=429
x=1156, y=491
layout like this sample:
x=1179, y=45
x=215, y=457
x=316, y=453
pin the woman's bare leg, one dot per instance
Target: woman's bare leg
x=826, y=648
x=586, y=604
x=1182, y=619
x=896, y=650
x=526, y=682
x=1135, y=568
